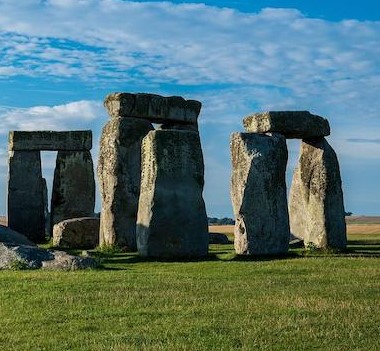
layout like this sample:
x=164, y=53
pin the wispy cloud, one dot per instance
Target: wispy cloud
x=363, y=140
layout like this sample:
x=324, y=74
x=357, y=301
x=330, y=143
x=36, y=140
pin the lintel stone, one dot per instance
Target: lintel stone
x=292, y=124
x=79, y=140
x=155, y=108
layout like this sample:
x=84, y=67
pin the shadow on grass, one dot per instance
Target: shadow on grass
x=121, y=260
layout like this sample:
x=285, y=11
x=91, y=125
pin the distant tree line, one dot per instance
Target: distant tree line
x=220, y=221
x=348, y=214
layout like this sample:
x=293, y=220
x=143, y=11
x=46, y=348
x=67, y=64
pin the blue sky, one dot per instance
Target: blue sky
x=59, y=58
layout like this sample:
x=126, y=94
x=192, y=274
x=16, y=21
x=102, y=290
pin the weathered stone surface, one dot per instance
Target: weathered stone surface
x=154, y=108
x=258, y=192
x=119, y=169
x=316, y=199
x=9, y=236
x=32, y=257
x=25, y=195
x=292, y=124
x=77, y=233
x=73, y=192
x=50, y=140
x=64, y=262
x=171, y=220
x=22, y=256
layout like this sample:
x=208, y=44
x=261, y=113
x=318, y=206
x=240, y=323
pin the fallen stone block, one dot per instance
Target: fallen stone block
x=77, y=233
x=9, y=236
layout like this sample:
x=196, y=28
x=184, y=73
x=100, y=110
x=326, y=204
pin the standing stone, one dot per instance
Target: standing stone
x=73, y=192
x=25, y=195
x=172, y=220
x=119, y=169
x=46, y=207
x=258, y=192
x=316, y=199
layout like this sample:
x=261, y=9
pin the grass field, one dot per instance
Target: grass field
x=301, y=302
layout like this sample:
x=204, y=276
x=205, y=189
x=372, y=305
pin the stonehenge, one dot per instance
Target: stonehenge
x=258, y=190
x=151, y=181
x=74, y=184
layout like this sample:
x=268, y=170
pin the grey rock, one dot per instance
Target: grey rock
x=77, y=233
x=316, y=199
x=33, y=257
x=22, y=256
x=292, y=124
x=172, y=221
x=155, y=108
x=73, y=192
x=258, y=192
x=218, y=238
x=25, y=195
x=119, y=169
x=50, y=140
x=9, y=236
x=64, y=262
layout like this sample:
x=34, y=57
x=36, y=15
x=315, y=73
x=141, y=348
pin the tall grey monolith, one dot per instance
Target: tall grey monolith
x=119, y=168
x=316, y=206
x=172, y=220
x=25, y=195
x=73, y=193
x=258, y=192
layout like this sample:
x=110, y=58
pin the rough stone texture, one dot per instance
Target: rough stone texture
x=316, y=199
x=119, y=169
x=77, y=233
x=292, y=124
x=50, y=140
x=25, y=195
x=171, y=220
x=258, y=192
x=33, y=257
x=12, y=237
x=155, y=108
x=64, y=262
x=73, y=192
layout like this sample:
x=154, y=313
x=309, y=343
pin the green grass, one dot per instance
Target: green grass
x=317, y=301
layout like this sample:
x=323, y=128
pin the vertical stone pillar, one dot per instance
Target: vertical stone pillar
x=258, y=192
x=316, y=206
x=119, y=169
x=172, y=220
x=25, y=195
x=73, y=192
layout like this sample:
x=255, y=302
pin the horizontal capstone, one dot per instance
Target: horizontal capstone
x=292, y=124
x=77, y=140
x=155, y=108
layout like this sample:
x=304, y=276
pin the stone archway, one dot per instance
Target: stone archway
x=73, y=193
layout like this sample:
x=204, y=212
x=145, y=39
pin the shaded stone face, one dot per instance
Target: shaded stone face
x=119, y=169
x=25, y=195
x=172, y=220
x=316, y=199
x=258, y=193
x=292, y=124
x=77, y=233
x=50, y=140
x=155, y=108
x=73, y=192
